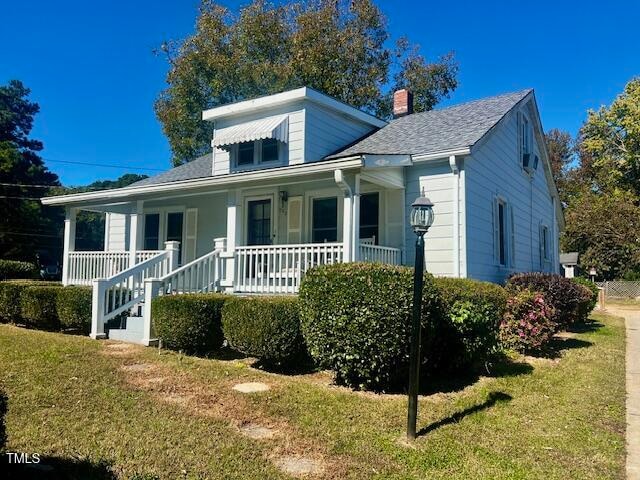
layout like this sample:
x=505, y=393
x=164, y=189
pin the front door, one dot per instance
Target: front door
x=259, y=222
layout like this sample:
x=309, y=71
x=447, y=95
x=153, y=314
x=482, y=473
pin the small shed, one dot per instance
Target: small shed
x=569, y=262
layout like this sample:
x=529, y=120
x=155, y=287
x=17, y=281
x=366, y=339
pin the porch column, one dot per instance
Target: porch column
x=135, y=231
x=69, y=244
x=232, y=239
x=356, y=220
x=347, y=230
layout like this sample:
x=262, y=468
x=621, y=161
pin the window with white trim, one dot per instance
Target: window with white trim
x=525, y=135
x=545, y=247
x=264, y=151
x=504, y=233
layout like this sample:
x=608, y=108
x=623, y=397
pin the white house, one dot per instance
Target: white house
x=298, y=179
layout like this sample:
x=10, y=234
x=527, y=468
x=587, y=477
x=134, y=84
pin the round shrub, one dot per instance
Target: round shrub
x=590, y=297
x=189, y=323
x=475, y=310
x=564, y=295
x=355, y=320
x=264, y=327
x=11, y=269
x=38, y=307
x=528, y=323
x=73, y=305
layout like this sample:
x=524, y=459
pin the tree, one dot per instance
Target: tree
x=561, y=149
x=26, y=226
x=610, y=140
x=605, y=229
x=602, y=190
x=338, y=47
x=90, y=225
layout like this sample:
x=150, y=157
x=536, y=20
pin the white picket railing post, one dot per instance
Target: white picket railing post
x=173, y=251
x=151, y=290
x=97, y=309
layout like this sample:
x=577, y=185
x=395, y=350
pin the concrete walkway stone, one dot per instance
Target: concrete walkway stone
x=632, y=324
x=251, y=387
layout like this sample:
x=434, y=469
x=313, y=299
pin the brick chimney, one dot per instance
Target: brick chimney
x=402, y=103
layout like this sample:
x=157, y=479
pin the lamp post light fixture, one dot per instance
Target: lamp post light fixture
x=421, y=219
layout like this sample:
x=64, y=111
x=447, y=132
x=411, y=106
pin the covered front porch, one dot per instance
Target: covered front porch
x=266, y=235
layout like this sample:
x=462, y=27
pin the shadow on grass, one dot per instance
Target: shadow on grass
x=57, y=468
x=301, y=365
x=585, y=327
x=557, y=345
x=492, y=399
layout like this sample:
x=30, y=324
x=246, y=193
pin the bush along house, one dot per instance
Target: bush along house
x=299, y=179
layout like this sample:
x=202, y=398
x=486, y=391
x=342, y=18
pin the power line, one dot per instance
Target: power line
x=126, y=167
x=27, y=185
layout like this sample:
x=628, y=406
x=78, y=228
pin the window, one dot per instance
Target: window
x=151, y=231
x=325, y=220
x=369, y=213
x=526, y=135
x=245, y=153
x=502, y=234
x=545, y=247
x=255, y=153
x=269, y=150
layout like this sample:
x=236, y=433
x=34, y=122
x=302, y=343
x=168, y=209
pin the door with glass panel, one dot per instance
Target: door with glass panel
x=259, y=222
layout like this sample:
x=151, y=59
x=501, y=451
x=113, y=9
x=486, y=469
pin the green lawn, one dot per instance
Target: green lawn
x=102, y=411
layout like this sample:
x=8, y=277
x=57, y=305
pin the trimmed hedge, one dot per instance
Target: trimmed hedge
x=189, y=323
x=3, y=412
x=475, y=310
x=264, y=327
x=10, y=293
x=565, y=295
x=73, y=306
x=355, y=320
x=594, y=293
x=528, y=324
x=11, y=269
x=38, y=307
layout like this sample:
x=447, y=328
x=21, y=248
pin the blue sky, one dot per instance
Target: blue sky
x=91, y=68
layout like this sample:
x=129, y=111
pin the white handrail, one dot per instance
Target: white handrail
x=84, y=267
x=201, y=275
x=120, y=292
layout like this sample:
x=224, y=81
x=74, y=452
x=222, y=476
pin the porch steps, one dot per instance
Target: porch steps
x=132, y=332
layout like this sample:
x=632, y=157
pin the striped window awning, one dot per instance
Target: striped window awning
x=271, y=127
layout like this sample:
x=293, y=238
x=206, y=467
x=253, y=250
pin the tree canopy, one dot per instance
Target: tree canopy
x=601, y=189
x=26, y=226
x=339, y=47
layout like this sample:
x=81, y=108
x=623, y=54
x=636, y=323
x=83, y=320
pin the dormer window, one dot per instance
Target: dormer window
x=526, y=135
x=245, y=153
x=256, y=142
x=256, y=153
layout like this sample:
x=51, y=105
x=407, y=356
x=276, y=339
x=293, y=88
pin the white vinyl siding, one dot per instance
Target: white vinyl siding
x=436, y=180
x=494, y=170
x=116, y=232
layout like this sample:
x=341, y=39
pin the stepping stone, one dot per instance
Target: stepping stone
x=299, y=465
x=251, y=387
x=257, y=432
x=137, y=367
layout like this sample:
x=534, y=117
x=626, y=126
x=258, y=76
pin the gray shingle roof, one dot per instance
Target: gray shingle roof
x=198, y=168
x=434, y=131
x=449, y=128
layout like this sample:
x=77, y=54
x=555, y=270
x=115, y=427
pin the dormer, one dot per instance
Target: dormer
x=289, y=128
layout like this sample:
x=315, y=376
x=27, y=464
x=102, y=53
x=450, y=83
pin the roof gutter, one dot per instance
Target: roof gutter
x=222, y=180
x=458, y=152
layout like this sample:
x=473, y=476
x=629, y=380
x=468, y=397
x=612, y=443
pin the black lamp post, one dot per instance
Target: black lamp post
x=421, y=220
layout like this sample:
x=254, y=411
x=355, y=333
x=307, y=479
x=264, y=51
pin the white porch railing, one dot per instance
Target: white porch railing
x=380, y=254
x=118, y=293
x=279, y=268
x=84, y=267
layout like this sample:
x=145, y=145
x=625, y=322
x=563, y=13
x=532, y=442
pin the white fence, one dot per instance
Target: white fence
x=620, y=288
x=279, y=268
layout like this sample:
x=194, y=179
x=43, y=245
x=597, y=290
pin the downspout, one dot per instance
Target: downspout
x=456, y=214
x=347, y=235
